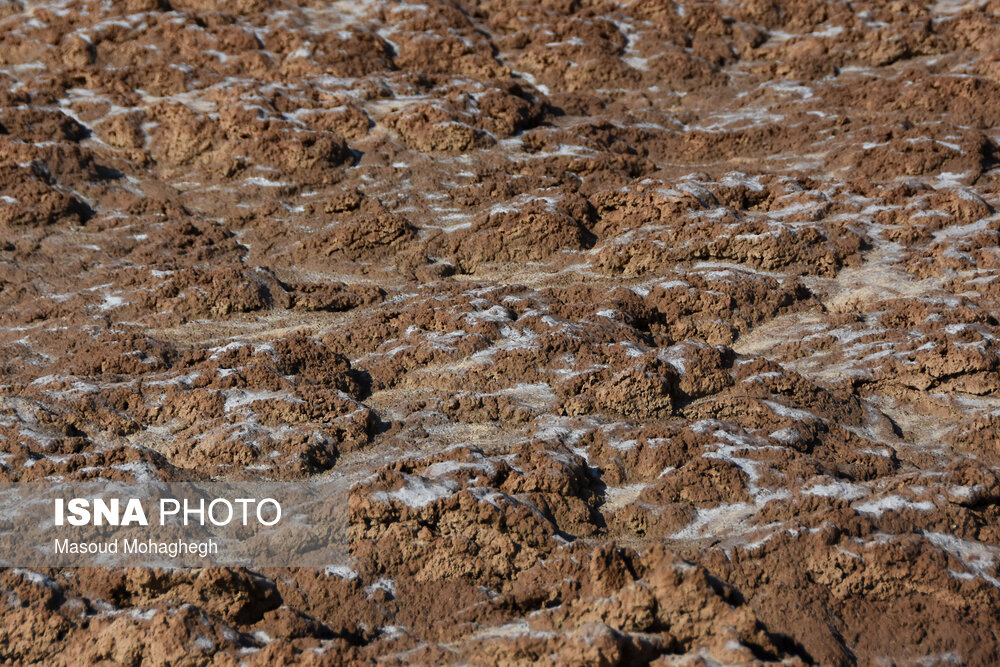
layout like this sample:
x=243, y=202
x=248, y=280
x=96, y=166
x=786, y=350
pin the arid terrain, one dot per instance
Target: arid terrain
x=648, y=332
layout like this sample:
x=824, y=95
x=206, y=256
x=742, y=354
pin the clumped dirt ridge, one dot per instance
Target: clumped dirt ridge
x=651, y=332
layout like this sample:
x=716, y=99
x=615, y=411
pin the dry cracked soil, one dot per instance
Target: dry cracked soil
x=648, y=332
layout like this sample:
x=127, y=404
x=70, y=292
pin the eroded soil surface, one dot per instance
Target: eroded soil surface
x=650, y=331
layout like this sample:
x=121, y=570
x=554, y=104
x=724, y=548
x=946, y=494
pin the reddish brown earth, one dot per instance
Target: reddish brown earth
x=651, y=332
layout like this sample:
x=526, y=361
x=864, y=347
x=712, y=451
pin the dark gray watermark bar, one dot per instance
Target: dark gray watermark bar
x=161, y=524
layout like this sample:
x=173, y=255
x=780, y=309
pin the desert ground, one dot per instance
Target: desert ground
x=646, y=332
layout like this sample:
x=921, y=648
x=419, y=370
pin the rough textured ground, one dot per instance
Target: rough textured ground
x=651, y=331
